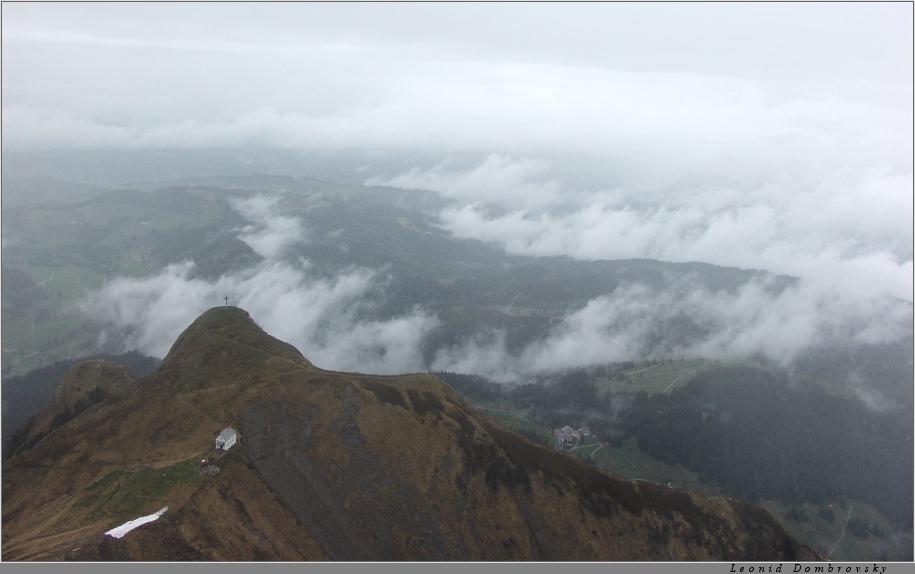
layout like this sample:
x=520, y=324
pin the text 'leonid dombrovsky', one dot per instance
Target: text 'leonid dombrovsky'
x=825, y=569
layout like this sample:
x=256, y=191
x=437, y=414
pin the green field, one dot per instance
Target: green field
x=121, y=492
x=514, y=311
x=51, y=328
x=655, y=378
x=661, y=377
x=827, y=537
x=70, y=251
x=628, y=461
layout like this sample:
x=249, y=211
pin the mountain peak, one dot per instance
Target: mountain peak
x=226, y=342
x=219, y=325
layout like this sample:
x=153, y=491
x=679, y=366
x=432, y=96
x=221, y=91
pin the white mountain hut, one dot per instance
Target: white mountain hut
x=226, y=438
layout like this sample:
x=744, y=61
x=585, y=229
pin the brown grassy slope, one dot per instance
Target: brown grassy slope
x=230, y=516
x=82, y=385
x=338, y=466
x=403, y=469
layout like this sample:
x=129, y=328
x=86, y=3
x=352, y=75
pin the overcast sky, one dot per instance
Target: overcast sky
x=758, y=135
x=381, y=75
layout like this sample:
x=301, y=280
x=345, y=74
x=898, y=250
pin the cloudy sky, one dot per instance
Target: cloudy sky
x=769, y=136
x=505, y=78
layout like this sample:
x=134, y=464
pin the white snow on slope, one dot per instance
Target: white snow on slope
x=123, y=529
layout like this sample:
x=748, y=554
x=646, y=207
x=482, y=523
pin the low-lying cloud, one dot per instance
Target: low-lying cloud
x=330, y=318
x=852, y=230
x=845, y=235
x=763, y=318
x=273, y=233
x=323, y=318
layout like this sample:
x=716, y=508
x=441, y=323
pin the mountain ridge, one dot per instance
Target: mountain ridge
x=339, y=466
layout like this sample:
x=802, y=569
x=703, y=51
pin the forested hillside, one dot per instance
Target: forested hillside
x=763, y=438
x=751, y=432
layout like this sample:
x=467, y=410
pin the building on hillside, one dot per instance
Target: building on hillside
x=565, y=438
x=226, y=438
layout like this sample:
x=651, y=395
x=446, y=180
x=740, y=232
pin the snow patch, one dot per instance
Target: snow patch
x=123, y=529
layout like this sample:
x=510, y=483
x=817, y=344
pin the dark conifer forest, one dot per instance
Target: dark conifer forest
x=752, y=432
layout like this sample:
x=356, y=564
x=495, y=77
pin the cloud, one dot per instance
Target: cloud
x=847, y=237
x=320, y=317
x=499, y=180
x=325, y=318
x=273, y=233
x=849, y=41
x=636, y=126
x=27, y=128
x=330, y=319
x=761, y=318
x=852, y=228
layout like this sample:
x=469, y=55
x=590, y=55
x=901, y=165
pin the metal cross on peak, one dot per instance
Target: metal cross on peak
x=227, y=300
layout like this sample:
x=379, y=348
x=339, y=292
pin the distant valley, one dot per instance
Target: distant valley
x=400, y=294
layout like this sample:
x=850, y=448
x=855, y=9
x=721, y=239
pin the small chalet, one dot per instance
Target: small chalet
x=226, y=438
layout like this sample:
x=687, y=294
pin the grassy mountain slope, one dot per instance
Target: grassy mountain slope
x=83, y=386
x=337, y=466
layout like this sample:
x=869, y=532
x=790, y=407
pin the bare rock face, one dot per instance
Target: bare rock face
x=338, y=466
